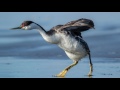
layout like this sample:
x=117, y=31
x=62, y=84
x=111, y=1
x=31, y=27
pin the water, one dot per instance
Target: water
x=26, y=54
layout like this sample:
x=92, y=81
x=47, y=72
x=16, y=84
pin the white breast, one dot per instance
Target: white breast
x=70, y=44
x=72, y=47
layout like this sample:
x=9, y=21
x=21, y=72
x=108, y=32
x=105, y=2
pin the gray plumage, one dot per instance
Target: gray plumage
x=68, y=37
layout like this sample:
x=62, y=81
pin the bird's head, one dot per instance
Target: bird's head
x=26, y=25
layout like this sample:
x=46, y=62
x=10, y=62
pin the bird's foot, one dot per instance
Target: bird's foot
x=62, y=74
x=90, y=75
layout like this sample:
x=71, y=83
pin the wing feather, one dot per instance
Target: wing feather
x=75, y=27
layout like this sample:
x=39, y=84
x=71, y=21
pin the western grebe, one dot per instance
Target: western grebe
x=68, y=37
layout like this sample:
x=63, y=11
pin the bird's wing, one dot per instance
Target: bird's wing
x=75, y=27
x=78, y=25
x=56, y=27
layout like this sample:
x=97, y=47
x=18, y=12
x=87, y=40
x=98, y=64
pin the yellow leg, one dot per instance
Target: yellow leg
x=91, y=70
x=63, y=73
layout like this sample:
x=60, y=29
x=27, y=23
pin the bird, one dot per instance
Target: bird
x=68, y=37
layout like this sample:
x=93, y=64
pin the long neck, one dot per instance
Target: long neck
x=45, y=35
x=41, y=30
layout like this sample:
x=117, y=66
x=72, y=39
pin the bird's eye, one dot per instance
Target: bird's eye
x=23, y=25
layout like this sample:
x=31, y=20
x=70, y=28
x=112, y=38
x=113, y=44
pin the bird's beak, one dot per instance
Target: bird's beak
x=15, y=28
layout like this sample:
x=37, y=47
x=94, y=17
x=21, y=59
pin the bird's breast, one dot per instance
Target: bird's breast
x=70, y=44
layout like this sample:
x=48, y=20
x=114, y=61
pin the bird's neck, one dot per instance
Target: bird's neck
x=45, y=35
x=42, y=31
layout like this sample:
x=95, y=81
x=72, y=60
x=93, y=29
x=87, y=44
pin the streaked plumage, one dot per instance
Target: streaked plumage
x=67, y=37
x=75, y=27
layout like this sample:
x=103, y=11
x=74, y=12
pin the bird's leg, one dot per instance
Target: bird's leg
x=91, y=70
x=63, y=73
x=91, y=66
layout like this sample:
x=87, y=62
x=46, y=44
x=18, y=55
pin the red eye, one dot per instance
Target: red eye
x=23, y=25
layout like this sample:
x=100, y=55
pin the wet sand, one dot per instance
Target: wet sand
x=44, y=68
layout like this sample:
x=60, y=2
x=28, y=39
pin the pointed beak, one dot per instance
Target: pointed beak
x=15, y=28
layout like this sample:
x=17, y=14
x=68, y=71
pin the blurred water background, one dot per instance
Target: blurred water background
x=30, y=44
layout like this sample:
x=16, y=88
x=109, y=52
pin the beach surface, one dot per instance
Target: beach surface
x=47, y=68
